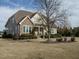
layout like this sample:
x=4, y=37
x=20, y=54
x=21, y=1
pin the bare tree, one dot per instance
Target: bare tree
x=52, y=11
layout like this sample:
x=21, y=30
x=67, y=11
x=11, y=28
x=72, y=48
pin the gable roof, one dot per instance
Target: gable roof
x=20, y=15
x=25, y=19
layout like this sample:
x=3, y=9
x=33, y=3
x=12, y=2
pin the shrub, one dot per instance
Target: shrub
x=45, y=36
x=5, y=35
x=27, y=36
x=51, y=36
x=34, y=37
x=9, y=36
x=59, y=40
x=75, y=31
x=72, y=39
x=55, y=35
x=65, y=39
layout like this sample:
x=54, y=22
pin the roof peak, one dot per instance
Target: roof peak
x=24, y=11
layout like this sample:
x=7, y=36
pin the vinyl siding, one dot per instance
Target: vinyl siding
x=24, y=23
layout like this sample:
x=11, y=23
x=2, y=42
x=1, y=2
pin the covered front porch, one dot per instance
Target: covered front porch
x=39, y=30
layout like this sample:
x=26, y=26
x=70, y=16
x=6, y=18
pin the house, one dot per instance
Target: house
x=1, y=33
x=25, y=22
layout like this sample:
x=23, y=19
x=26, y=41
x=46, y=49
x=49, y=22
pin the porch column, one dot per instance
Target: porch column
x=39, y=29
x=31, y=28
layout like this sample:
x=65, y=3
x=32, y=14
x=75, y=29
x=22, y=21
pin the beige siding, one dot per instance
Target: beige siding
x=25, y=22
x=36, y=20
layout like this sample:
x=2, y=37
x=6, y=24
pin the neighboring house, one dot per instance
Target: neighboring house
x=54, y=29
x=1, y=33
x=24, y=22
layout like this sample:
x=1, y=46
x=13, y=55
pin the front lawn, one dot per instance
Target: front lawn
x=10, y=49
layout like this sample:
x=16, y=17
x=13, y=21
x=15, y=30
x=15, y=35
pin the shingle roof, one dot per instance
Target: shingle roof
x=20, y=15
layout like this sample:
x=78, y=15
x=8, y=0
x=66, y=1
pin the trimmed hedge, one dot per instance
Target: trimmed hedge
x=7, y=36
x=65, y=39
x=59, y=40
x=28, y=36
x=51, y=36
x=72, y=39
x=55, y=35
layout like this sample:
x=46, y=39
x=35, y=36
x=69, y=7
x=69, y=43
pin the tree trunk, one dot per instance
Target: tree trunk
x=48, y=33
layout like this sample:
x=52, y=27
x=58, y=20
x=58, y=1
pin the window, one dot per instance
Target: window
x=26, y=28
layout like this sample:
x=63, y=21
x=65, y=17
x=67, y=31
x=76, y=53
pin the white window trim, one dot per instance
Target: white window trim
x=26, y=28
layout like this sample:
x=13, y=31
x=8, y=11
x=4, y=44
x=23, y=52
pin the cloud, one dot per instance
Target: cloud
x=73, y=8
x=17, y=3
x=9, y=7
x=7, y=3
x=5, y=13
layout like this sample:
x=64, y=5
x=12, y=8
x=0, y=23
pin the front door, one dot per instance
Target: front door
x=38, y=31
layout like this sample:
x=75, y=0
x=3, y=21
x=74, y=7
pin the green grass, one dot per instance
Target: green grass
x=10, y=49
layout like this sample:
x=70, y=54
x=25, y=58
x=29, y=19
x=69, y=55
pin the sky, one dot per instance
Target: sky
x=9, y=7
